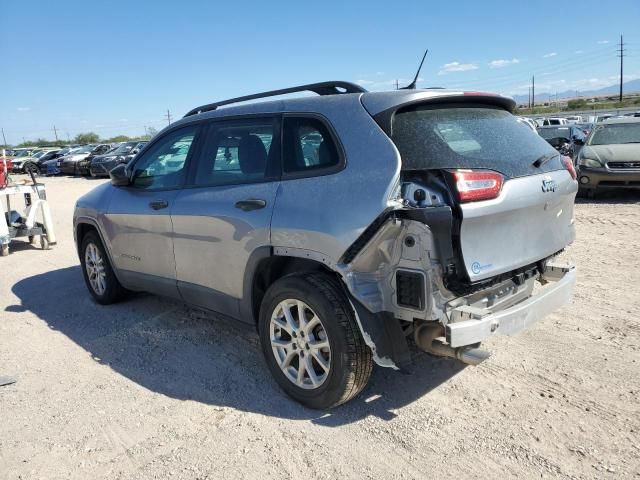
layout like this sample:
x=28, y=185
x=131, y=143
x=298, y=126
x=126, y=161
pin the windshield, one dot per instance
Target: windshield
x=84, y=149
x=469, y=137
x=560, y=132
x=23, y=153
x=616, y=133
x=125, y=148
x=40, y=153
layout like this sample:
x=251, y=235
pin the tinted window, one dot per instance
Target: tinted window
x=468, y=137
x=238, y=151
x=162, y=166
x=616, y=133
x=560, y=132
x=308, y=146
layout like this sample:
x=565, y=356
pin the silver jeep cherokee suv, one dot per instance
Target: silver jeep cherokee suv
x=342, y=225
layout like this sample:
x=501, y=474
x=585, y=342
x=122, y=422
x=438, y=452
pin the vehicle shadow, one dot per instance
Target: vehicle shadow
x=613, y=197
x=182, y=353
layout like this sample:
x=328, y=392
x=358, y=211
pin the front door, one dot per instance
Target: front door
x=138, y=222
x=224, y=212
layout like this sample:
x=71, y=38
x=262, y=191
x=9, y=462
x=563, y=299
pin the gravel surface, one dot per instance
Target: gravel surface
x=151, y=389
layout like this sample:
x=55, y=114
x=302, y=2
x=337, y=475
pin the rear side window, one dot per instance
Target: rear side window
x=237, y=152
x=308, y=146
x=474, y=137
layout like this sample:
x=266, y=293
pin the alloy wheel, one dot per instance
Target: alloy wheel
x=299, y=343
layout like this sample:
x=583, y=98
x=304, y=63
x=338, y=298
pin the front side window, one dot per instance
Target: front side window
x=308, y=146
x=237, y=152
x=162, y=166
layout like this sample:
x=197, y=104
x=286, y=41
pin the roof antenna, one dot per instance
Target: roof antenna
x=412, y=85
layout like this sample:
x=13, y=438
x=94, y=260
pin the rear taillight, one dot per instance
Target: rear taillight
x=568, y=164
x=475, y=185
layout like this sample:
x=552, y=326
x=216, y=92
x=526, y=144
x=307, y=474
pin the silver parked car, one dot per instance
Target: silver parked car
x=611, y=157
x=343, y=226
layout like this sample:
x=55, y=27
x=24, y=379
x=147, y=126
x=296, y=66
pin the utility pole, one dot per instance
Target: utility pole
x=168, y=116
x=55, y=132
x=621, y=52
x=533, y=91
x=68, y=138
x=397, y=87
x=3, y=137
x=529, y=101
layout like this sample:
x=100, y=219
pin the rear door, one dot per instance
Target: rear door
x=138, y=221
x=532, y=215
x=224, y=213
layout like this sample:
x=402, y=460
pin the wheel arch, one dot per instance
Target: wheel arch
x=265, y=266
x=84, y=225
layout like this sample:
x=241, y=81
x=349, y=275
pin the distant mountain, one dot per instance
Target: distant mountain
x=628, y=87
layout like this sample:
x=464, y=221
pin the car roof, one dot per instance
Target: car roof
x=374, y=102
x=620, y=120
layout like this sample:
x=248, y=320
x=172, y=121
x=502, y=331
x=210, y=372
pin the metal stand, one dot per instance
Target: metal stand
x=35, y=200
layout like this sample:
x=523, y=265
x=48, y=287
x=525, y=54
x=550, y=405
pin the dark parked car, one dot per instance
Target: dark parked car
x=35, y=163
x=101, y=165
x=567, y=139
x=84, y=166
x=70, y=163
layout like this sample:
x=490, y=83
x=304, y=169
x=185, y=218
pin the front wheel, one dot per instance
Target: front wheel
x=32, y=168
x=96, y=269
x=311, y=341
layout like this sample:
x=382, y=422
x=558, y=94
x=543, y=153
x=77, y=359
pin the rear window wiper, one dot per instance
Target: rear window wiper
x=544, y=159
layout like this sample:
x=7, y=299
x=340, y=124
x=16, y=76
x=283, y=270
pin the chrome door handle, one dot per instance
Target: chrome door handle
x=250, y=204
x=159, y=204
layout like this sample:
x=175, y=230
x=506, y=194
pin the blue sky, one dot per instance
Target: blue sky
x=115, y=67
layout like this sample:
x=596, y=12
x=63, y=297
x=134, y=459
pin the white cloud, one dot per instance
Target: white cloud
x=602, y=42
x=503, y=63
x=23, y=109
x=457, y=67
x=364, y=82
x=579, y=51
x=548, y=55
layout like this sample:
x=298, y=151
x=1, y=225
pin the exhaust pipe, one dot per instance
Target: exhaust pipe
x=427, y=337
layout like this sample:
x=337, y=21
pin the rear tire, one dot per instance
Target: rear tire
x=98, y=274
x=332, y=374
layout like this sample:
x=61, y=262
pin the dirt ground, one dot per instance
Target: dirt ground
x=150, y=389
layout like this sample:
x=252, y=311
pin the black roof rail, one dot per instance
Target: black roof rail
x=322, y=88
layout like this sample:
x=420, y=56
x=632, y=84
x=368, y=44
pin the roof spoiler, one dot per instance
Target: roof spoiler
x=322, y=88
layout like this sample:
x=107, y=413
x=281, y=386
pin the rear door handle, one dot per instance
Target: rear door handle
x=250, y=204
x=159, y=204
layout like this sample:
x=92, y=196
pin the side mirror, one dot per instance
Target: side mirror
x=120, y=175
x=578, y=141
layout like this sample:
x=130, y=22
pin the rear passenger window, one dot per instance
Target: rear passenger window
x=238, y=152
x=308, y=146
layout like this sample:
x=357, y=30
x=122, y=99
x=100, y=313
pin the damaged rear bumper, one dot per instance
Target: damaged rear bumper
x=482, y=323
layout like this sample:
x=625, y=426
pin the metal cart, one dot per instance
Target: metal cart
x=25, y=225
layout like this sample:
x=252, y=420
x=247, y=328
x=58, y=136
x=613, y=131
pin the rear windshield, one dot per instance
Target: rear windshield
x=477, y=137
x=549, y=133
x=616, y=134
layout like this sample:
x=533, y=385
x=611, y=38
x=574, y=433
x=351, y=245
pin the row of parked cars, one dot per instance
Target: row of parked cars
x=606, y=154
x=89, y=159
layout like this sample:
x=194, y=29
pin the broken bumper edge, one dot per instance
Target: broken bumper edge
x=520, y=316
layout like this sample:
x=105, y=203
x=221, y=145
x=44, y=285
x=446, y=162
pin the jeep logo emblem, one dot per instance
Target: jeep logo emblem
x=549, y=185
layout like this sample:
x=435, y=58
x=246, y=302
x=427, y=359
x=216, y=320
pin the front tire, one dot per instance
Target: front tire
x=311, y=341
x=98, y=274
